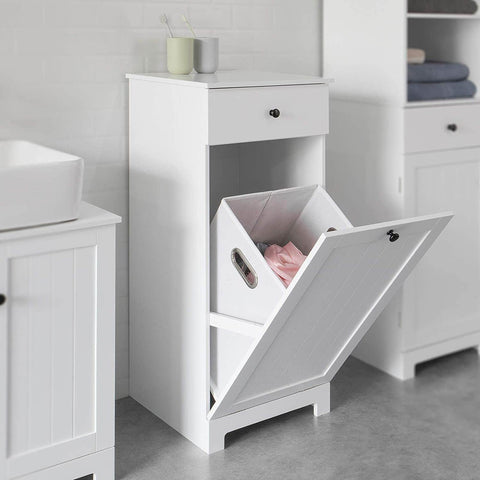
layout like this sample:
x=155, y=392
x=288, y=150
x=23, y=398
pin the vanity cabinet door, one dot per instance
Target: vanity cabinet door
x=55, y=392
x=442, y=296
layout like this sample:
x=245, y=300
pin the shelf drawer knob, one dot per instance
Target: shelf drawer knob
x=275, y=112
x=452, y=127
x=3, y=298
x=394, y=236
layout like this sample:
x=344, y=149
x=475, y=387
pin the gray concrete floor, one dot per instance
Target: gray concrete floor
x=379, y=428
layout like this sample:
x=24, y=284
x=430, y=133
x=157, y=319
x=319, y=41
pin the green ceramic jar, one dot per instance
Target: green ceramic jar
x=180, y=55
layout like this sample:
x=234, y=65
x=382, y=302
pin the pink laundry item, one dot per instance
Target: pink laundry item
x=284, y=261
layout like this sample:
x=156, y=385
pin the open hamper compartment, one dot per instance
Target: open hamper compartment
x=299, y=215
x=269, y=341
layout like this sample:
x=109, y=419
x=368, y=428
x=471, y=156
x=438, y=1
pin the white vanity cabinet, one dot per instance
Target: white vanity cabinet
x=57, y=337
x=195, y=140
x=404, y=159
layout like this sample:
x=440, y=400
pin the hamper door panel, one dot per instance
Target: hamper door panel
x=334, y=299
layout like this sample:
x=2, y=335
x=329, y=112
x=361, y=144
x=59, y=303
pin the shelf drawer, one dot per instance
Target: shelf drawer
x=250, y=114
x=442, y=128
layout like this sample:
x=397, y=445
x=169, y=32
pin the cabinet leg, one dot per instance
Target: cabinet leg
x=216, y=438
x=105, y=470
x=104, y=475
x=407, y=369
x=322, y=405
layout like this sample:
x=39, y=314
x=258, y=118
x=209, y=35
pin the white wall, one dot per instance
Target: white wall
x=62, y=66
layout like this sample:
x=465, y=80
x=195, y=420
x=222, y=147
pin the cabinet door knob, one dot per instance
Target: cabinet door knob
x=394, y=236
x=3, y=298
x=452, y=127
x=275, y=112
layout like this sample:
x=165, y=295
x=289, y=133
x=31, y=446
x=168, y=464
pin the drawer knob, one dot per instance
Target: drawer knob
x=275, y=112
x=452, y=127
x=3, y=298
x=394, y=236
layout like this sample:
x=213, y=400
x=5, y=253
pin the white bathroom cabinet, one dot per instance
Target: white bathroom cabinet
x=390, y=158
x=57, y=337
x=195, y=140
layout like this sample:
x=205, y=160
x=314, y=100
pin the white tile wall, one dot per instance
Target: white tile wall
x=62, y=67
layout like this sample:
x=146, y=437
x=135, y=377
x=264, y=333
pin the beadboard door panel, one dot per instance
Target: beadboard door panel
x=450, y=306
x=51, y=368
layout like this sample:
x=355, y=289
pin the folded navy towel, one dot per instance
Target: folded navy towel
x=442, y=6
x=437, y=72
x=440, y=90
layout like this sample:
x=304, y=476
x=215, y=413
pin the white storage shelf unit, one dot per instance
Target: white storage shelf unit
x=57, y=349
x=449, y=39
x=194, y=141
x=405, y=159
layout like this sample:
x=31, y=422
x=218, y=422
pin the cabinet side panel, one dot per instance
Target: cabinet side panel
x=365, y=44
x=105, y=406
x=169, y=222
x=366, y=178
x=365, y=164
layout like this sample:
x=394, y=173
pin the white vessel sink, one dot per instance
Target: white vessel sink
x=38, y=185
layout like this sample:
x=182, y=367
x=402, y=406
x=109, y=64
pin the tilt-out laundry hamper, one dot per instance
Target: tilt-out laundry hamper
x=196, y=326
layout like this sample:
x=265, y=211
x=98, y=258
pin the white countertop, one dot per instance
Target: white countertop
x=230, y=79
x=90, y=216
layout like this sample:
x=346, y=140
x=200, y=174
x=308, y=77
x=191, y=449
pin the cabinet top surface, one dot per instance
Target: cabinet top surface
x=89, y=217
x=230, y=79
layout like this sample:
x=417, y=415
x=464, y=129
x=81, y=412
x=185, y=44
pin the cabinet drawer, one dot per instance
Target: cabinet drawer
x=441, y=128
x=247, y=114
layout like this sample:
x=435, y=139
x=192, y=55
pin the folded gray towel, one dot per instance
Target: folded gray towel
x=442, y=6
x=437, y=72
x=440, y=90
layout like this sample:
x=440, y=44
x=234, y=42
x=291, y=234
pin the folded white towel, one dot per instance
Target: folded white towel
x=416, y=55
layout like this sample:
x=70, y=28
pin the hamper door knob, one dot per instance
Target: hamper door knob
x=452, y=127
x=275, y=112
x=394, y=236
x=3, y=298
